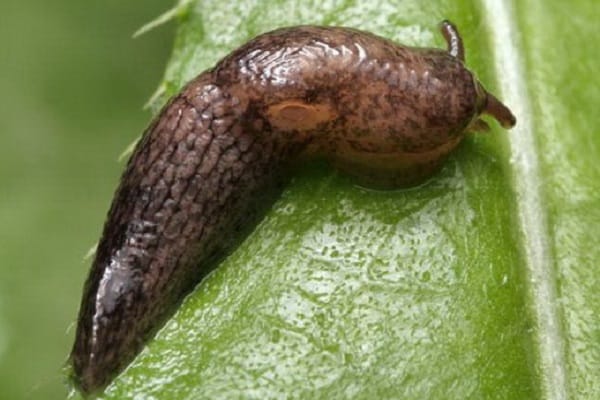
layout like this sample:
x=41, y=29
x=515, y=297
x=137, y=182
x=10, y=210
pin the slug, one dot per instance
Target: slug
x=218, y=153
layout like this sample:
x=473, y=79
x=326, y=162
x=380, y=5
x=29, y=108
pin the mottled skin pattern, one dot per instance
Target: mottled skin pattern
x=214, y=158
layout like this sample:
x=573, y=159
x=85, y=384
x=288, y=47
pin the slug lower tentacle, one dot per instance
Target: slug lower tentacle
x=218, y=152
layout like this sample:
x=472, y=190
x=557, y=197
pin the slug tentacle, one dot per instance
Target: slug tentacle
x=499, y=111
x=455, y=44
x=217, y=154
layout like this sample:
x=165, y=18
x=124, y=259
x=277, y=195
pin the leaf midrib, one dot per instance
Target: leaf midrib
x=524, y=165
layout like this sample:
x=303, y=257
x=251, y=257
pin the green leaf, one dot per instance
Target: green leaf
x=479, y=284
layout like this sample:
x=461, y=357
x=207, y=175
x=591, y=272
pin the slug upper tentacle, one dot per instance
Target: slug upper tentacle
x=219, y=151
x=455, y=44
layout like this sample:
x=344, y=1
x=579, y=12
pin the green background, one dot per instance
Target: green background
x=480, y=284
x=73, y=85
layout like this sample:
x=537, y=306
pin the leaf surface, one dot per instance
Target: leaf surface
x=479, y=284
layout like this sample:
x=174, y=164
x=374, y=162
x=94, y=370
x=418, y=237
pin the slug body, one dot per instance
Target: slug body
x=216, y=155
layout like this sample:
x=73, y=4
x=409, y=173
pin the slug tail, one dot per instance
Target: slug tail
x=198, y=180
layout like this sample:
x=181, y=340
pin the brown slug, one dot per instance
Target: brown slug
x=217, y=154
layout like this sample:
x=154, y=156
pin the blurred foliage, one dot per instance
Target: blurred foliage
x=73, y=88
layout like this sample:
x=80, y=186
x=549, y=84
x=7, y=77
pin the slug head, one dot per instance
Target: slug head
x=486, y=103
